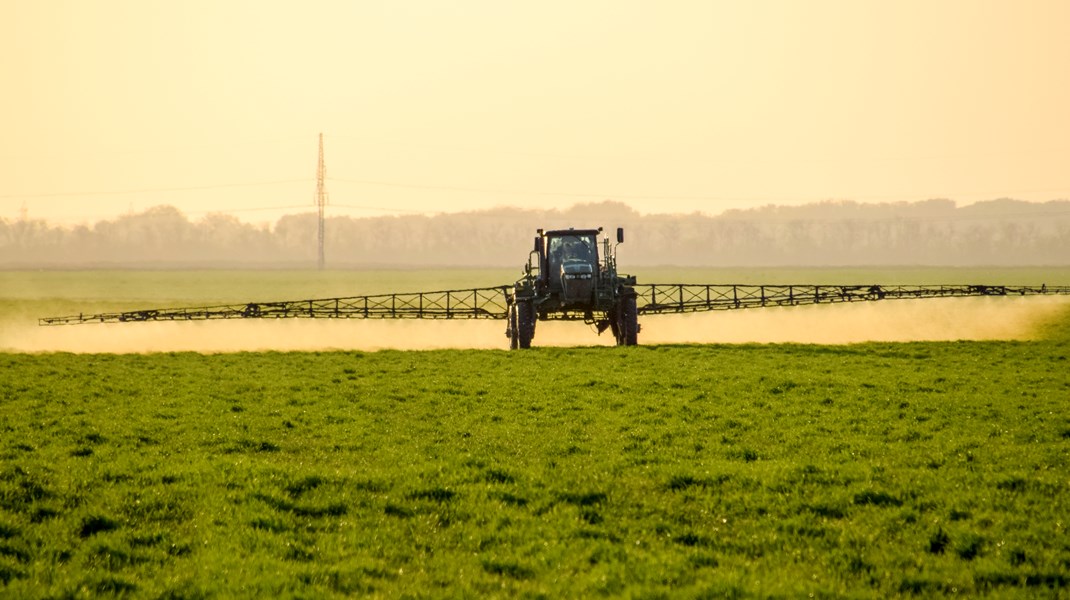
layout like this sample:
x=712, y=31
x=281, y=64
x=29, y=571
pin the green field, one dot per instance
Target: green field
x=783, y=470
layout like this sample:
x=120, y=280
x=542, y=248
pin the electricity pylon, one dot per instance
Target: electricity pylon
x=321, y=198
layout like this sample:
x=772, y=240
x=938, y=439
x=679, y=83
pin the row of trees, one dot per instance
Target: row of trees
x=934, y=232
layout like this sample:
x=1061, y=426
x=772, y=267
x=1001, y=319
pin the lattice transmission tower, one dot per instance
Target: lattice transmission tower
x=321, y=199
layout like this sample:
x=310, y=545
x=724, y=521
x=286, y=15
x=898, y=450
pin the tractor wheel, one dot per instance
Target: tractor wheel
x=525, y=323
x=627, y=321
x=614, y=324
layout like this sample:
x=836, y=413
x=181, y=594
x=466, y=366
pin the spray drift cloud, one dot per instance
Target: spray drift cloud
x=900, y=321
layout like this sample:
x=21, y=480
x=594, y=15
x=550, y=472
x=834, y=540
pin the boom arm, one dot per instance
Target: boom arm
x=493, y=302
x=476, y=303
x=676, y=298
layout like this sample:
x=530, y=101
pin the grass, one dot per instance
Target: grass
x=692, y=471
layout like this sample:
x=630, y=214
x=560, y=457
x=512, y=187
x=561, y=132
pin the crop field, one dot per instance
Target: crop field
x=669, y=470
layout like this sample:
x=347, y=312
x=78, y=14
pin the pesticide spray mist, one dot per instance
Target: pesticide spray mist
x=893, y=321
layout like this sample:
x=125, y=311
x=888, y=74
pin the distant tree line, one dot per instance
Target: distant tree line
x=934, y=232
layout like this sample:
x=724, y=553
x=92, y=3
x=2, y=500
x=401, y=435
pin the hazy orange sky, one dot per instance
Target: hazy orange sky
x=679, y=106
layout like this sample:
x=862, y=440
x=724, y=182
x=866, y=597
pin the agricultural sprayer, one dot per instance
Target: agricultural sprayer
x=571, y=275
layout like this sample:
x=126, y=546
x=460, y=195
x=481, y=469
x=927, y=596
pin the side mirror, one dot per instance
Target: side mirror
x=620, y=235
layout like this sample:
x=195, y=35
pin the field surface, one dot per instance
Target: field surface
x=785, y=470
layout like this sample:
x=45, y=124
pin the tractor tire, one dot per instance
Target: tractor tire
x=627, y=321
x=614, y=324
x=525, y=324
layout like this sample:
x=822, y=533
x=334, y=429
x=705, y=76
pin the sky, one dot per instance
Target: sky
x=113, y=106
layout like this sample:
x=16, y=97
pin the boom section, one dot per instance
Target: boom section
x=476, y=303
x=493, y=302
x=657, y=298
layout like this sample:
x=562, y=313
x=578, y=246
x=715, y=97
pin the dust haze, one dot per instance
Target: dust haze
x=892, y=321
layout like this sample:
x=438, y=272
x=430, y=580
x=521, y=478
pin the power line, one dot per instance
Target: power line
x=158, y=149
x=235, y=210
x=454, y=149
x=517, y=192
x=680, y=151
x=614, y=196
x=864, y=219
x=382, y=208
x=155, y=190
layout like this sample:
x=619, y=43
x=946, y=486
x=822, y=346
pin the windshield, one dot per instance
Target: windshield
x=573, y=248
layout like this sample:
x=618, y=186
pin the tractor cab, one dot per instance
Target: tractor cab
x=571, y=264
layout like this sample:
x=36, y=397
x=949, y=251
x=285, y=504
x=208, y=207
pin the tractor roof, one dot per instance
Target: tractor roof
x=559, y=232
